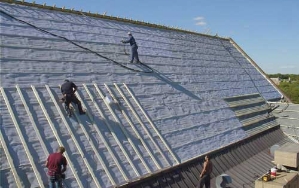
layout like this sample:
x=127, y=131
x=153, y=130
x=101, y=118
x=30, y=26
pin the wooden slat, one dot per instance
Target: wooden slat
x=153, y=126
x=10, y=162
x=125, y=131
x=93, y=146
x=43, y=145
x=96, y=152
x=70, y=164
x=89, y=168
x=115, y=137
x=144, y=128
x=31, y=160
x=102, y=137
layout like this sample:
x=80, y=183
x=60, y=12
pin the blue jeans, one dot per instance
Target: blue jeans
x=134, y=53
x=55, y=182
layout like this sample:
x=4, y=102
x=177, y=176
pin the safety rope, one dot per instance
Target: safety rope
x=76, y=44
x=242, y=68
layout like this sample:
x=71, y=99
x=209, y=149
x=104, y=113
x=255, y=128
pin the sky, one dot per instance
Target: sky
x=267, y=30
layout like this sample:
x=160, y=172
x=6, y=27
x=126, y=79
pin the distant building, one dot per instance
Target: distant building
x=276, y=80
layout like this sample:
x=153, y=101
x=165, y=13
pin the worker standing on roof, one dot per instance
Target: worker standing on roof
x=68, y=90
x=56, y=164
x=205, y=175
x=134, y=47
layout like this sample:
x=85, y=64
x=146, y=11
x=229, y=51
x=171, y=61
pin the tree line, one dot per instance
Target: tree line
x=289, y=84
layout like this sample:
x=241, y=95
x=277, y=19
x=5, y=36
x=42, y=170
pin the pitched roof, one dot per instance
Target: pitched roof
x=180, y=111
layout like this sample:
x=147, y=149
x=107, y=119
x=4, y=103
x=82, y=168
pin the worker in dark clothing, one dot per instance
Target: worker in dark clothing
x=68, y=90
x=56, y=164
x=205, y=175
x=134, y=47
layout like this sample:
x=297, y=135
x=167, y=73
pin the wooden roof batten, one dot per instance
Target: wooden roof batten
x=23, y=141
x=105, y=16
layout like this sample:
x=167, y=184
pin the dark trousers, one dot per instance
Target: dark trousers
x=204, y=180
x=72, y=98
x=134, y=53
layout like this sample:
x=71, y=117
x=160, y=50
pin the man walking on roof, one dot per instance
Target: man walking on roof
x=205, y=175
x=134, y=47
x=56, y=164
x=68, y=90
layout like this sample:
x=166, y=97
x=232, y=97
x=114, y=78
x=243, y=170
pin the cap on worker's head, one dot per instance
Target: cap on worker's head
x=61, y=149
x=129, y=33
x=66, y=80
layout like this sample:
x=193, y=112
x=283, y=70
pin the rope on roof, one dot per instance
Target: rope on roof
x=78, y=45
x=250, y=77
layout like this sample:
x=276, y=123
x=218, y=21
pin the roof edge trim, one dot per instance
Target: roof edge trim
x=196, y=159
x=259, y=69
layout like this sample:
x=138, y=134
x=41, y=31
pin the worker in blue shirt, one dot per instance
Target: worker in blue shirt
x=134, y=47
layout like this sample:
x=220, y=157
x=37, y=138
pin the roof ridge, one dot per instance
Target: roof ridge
x=104, y=16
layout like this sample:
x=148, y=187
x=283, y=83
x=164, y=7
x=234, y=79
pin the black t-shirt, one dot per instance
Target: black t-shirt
x=68, y=88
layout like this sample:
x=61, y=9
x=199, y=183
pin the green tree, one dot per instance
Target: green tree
x=291, y=90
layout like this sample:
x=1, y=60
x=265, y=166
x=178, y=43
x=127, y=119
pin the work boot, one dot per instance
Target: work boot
x=81, y=113
x=68, y=110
